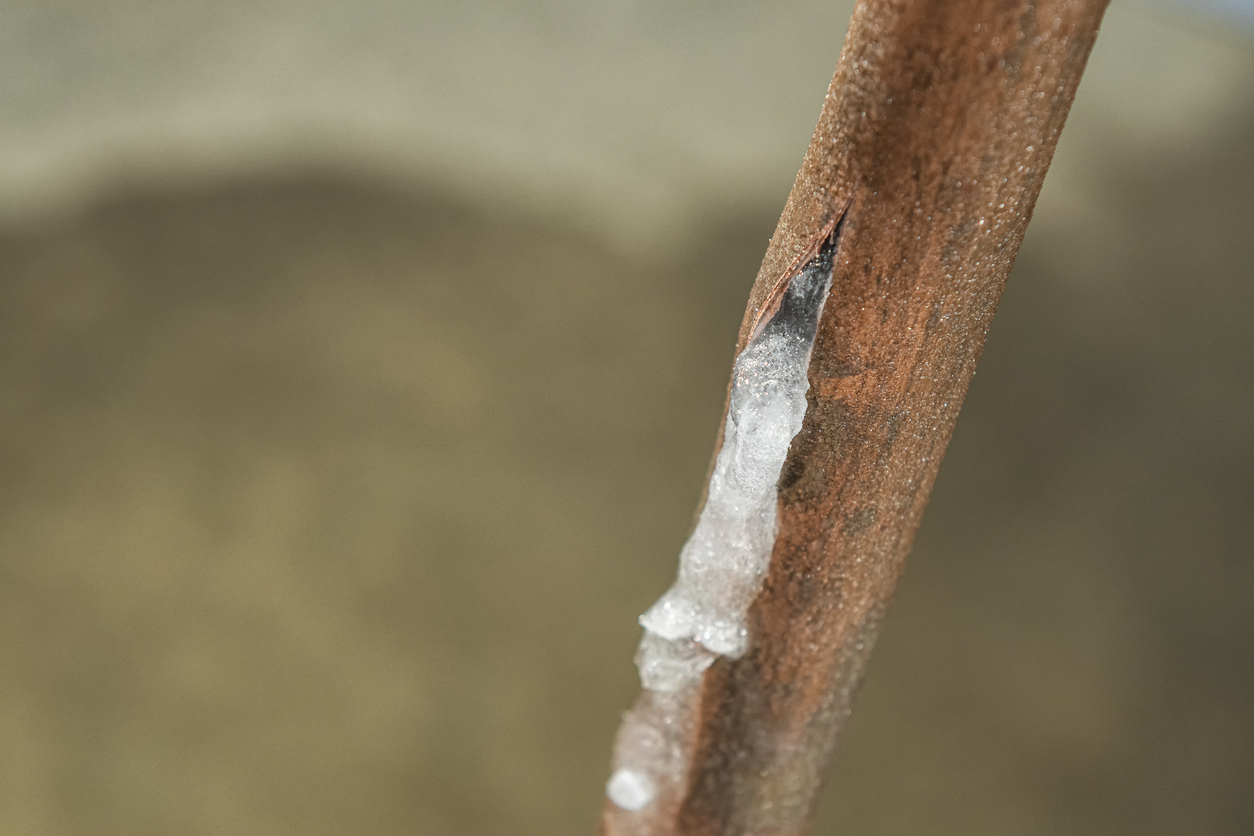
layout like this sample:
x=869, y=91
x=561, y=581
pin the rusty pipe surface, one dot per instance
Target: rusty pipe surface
x=934, y=139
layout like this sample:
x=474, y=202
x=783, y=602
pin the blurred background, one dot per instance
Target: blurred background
x=360, y=364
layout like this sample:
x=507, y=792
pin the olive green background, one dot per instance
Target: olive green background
x=339, y=449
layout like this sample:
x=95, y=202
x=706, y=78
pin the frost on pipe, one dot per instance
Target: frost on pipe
x=721, y=567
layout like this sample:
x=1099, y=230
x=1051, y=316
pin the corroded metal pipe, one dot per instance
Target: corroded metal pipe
x=933, y=142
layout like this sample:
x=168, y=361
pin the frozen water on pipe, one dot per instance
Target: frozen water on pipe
x=669, y=665
x=721, y=567
x=629, y=789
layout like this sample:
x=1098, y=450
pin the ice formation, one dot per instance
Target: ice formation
x=629, y=789
x=721, y=567
x=722, y=564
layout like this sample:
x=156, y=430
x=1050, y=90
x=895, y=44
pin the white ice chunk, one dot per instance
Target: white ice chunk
x=671, y=665
x=630, y=790
x=722, y=566
x=672, y=617
x=724, y=637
